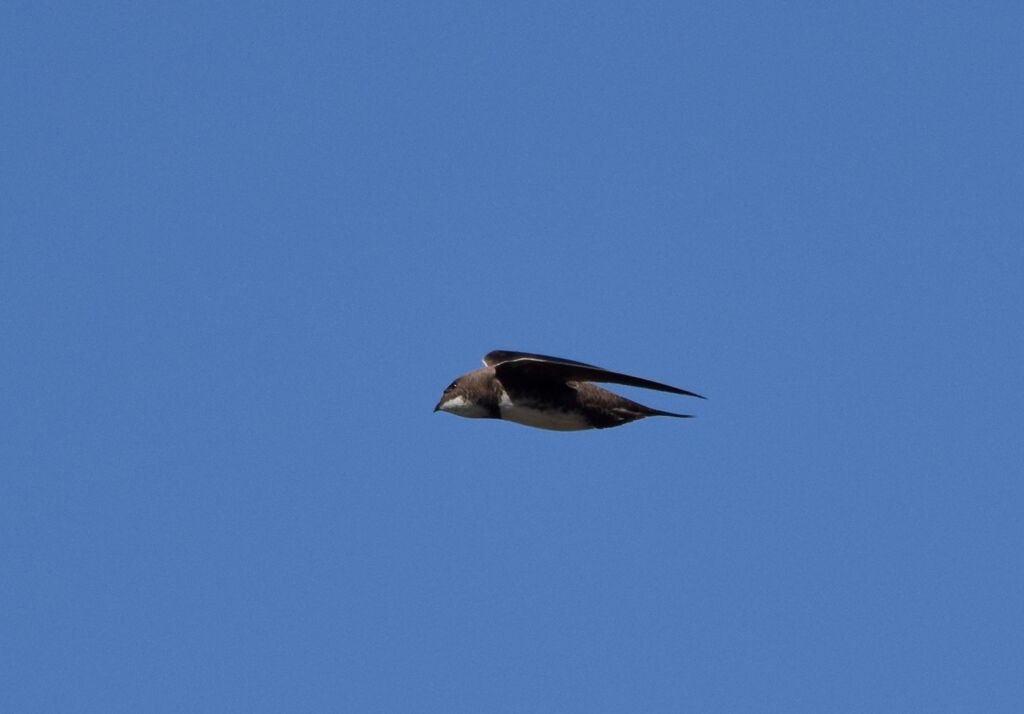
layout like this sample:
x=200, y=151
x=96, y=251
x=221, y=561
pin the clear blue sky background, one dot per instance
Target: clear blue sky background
x=244, y=247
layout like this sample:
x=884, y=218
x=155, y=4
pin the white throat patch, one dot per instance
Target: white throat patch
x=461, y=407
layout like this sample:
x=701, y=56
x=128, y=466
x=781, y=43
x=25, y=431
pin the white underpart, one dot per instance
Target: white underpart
x=554, y=420
x=459, y=406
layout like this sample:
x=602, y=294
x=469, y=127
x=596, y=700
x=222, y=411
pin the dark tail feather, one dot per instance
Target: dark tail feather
x=658, y=412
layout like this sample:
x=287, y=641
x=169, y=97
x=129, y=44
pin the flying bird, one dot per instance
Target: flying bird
x=548, y=393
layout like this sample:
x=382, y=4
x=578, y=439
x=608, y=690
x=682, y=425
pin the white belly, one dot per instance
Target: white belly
x=554, y=420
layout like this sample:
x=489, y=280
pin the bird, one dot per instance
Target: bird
x=548, y=393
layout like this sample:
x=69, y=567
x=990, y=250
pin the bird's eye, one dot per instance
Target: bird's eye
x=451, y=386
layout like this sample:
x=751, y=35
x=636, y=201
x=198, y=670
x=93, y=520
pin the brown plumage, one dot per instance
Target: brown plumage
x=548, y=393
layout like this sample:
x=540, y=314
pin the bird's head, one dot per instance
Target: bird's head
x=467, y=396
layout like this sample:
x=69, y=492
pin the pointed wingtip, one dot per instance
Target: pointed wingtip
x=684, y=392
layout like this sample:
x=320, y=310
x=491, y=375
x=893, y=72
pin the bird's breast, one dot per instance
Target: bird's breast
x=541, y=416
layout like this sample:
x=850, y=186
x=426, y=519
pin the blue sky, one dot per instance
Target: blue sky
x=245, y=246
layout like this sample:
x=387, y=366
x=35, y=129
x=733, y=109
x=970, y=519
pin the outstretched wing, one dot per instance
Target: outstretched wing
x=524, y=365
x=492, y=359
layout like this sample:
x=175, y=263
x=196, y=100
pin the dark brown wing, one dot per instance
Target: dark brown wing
x=523, y=365
x=492, y=359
